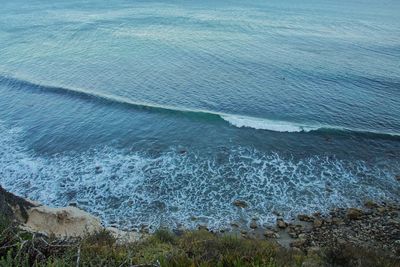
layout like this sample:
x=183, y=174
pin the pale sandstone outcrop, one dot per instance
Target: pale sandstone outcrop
x=62, y=222
x=70, y=222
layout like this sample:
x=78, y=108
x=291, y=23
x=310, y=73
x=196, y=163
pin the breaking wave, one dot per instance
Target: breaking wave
x=233, y=119
x=265, y=124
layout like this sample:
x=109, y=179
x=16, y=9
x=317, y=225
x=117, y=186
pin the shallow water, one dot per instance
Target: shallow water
x=146, y=112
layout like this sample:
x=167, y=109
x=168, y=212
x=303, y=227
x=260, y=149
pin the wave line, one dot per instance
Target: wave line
x=236, y=120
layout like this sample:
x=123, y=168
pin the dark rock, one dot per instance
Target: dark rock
x=144, y=229
x=202, y=227
x=370, y=204
x=293, y=234
x=253, y=224
x=317, y=223
x=243, y=232
x=276, y=213
x=281, y=223
x=317, y=214
x=178, y=232
x=98, y=169
x=235, y=224
x=270, y=234
x=305, y=218
x=302, y=236
x=354, y=214
x=240, y=203
x=381, y=209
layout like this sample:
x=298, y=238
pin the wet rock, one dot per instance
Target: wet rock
x=270, y=234
x=202, y=227
x=144, y=229
x=381, y=209
x=253, y=224
x=98, y=169
x=354, y=214
x=337, y=221
x=235, y=224
x=298, y=228
x=281, y=223
x=370, y=204
x=73, y=204
x=368, y=212
x=305, y=218
x=114, y=225
x=317, y=223
x=317, y=214
x=293, y=234
x=302, y=236
x=240, y=203
x=243, y=232
x=277, y=213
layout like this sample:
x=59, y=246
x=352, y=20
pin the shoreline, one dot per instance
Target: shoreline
x=35, y=235
x=372, y=226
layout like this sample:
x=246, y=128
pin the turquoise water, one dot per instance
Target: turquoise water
x=154, y=112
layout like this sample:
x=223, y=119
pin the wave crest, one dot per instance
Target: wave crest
x=266, y=124
x=236, y=120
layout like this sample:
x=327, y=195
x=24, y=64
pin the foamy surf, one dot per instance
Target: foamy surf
x=129, y=188
x=266, y=124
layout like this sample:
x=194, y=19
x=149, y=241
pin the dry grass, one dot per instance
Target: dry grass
x=193, y=248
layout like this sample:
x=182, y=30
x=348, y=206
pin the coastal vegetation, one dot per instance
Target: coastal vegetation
x=323, y=246
x=164, y=248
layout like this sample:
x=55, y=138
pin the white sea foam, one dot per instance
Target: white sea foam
x=266, y=124
x=130, y=188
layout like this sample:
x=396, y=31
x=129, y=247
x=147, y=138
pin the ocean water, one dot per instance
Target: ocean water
x=165, y=112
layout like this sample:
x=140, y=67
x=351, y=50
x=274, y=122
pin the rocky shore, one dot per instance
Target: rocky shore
x=376, y=226
x=372, y=227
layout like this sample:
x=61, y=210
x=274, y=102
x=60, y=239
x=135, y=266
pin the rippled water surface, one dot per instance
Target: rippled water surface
x=155, y=112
